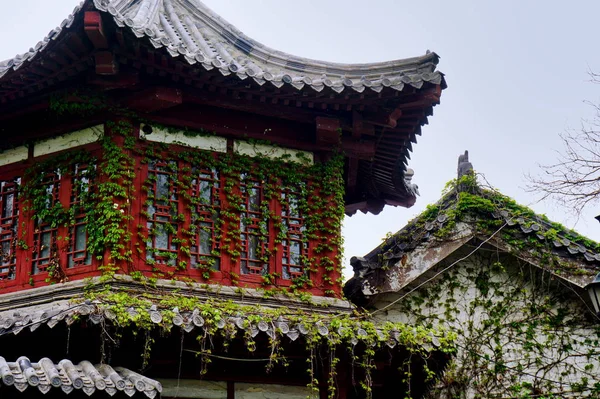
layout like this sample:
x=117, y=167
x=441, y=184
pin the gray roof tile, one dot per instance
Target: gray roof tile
x=45, y=375
x=191, y=29
x=15, y=321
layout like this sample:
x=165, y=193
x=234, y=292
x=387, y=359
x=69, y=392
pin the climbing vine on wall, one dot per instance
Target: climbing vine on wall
x=109, y=191
x=318, y=198
x=102, y=193
x=522, y=331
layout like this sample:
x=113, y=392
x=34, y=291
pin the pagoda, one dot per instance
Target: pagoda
x=160, y=170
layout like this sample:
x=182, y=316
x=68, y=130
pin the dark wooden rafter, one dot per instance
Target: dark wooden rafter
x=63, y=58
x=74, y=42
x=106, y=64
x=224, y=98
x=37, y=79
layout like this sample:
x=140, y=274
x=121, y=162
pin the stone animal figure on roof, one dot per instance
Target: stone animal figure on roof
x=464, y=166
x=412, y=188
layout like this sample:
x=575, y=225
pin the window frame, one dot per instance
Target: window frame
x=230, y=268
x=140, y=219
x=64, y=197
x=11, y=172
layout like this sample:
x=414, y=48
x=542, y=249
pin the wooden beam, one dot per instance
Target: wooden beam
x=154, y=99
x=118, y=81
x=211, y=98
x=15, y=113
x=328, y=131
x=359, y=149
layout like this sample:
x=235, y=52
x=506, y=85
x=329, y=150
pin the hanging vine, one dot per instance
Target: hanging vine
x=330, y=331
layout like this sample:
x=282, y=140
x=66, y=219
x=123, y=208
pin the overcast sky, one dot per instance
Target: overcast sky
x=516, y=71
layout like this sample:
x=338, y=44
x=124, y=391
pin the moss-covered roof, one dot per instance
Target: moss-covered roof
x=468, y=210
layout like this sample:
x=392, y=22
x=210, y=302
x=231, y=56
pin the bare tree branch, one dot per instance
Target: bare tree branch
x=574, y=180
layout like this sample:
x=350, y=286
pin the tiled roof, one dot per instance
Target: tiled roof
x=443, y=228
x=566, y=243
x=190, y=30
x=22, y=59
x=15, y=321
x=69, y=377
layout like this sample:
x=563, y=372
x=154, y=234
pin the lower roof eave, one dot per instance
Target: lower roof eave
x=102, y=379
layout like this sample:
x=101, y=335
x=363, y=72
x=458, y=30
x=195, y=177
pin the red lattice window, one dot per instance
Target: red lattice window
x=9, y=208
x=162, y=207
x=45, y=248
x=205, y=250
x=253, y=229
x=77, y=254
x=294, y=245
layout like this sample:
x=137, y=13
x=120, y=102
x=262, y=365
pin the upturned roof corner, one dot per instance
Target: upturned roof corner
x=190, y=30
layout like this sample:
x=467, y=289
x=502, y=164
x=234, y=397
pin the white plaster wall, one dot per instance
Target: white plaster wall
x=273, y=152
x=69, y=140
x=13, y=155
x=561, y=358
x=209, y=143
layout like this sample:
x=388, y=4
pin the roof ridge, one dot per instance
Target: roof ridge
x=440, y=217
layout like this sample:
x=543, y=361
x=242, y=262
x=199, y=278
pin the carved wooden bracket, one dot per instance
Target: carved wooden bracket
x=106, y=63
x=92, y=25
x=385, y=119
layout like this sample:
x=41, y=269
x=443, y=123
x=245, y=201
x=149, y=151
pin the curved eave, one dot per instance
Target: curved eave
x=20, y=60
x=198, y=35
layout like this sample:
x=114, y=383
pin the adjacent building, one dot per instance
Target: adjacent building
x=509, y=283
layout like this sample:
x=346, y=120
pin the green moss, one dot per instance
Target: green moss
x=464, y=201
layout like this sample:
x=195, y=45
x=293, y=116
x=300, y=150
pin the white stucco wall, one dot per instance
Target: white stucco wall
x=13, y=155
x=519, y=332
x=202, y=142
x=68, y=140
x=273, y=152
